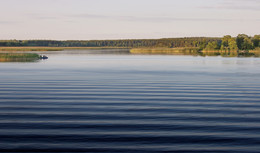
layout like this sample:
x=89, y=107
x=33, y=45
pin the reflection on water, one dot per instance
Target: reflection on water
x=212, y=53
x=89, y=102
x=194, y=52
x=18, y=60
x=230, y=54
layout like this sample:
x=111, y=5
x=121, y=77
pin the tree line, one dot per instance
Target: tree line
x=241, y=42
x=131, y=43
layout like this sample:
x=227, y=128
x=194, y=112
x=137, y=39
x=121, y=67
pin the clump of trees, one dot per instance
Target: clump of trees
x=244, y=42
x=213, y=46
x=228, y=44
x=241, y=42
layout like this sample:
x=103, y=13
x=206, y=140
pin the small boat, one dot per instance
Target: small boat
x=43, y=57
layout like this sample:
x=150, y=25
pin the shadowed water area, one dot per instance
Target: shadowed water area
x=112, y=101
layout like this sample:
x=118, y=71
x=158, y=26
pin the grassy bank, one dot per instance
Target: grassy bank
x=256, y=52
x=51, y=48
x=175, y=51
x=19, y=57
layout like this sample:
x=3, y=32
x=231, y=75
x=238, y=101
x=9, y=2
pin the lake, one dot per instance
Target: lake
x=113, y=101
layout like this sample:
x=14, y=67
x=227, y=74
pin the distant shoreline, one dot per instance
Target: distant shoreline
x=241, y=43
x=54, y=48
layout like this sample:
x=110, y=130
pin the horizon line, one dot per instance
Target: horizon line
x=123, y=38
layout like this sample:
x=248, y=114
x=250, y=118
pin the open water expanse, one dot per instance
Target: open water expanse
x=111, y=101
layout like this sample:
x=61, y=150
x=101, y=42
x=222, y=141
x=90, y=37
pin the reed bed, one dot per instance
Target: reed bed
x=164, y=50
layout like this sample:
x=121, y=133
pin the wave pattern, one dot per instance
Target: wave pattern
x=129, y=115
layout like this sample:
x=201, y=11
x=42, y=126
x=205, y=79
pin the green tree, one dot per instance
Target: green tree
x=256, y=41
x=229, y=44
x=240, y=39
x=224, y=44
x=244, y=42
x=247, y=44
x=212, y=46
x=232, y=45
x=202, y=45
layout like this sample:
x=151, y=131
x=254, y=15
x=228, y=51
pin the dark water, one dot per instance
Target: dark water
x=85, y=102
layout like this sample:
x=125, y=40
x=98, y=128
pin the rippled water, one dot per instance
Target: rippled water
x=82, y=101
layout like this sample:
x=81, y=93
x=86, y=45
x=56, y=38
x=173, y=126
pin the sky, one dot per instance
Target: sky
x=126, y=19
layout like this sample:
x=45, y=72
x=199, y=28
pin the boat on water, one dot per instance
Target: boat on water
x=43, y=57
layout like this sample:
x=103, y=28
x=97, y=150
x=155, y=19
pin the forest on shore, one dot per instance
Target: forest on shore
x=227, y=43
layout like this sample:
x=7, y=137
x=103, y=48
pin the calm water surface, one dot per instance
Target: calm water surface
x=117, y=102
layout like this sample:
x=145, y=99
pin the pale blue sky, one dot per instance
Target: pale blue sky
x=121, y=19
